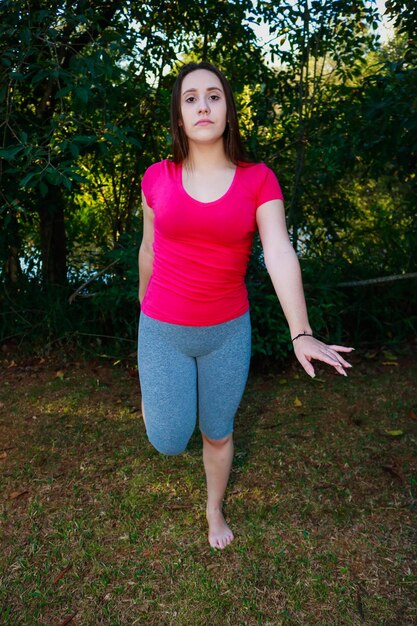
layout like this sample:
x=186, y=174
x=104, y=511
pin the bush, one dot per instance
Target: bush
x=373, y=315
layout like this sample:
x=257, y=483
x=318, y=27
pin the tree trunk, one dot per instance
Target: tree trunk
x=53, y=238
x=294, y=213
x=12, y=268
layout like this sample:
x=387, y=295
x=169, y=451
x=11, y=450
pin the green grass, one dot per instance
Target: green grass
x=322, y=500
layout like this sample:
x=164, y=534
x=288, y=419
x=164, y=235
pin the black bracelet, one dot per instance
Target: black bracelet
x=302, y=335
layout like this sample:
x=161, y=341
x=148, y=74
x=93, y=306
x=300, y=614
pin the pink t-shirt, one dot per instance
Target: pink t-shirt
x=201, y=249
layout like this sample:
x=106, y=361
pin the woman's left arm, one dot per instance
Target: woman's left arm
x=284, y=269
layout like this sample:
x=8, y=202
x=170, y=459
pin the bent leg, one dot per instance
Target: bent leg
x=168, y=382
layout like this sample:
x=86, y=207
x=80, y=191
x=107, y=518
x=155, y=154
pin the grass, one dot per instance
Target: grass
x=97, y=528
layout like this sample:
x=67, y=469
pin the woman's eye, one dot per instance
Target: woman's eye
x=192, y=99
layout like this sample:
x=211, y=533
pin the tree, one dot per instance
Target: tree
x=84, y=99
x=53, y=56
x=313, y=41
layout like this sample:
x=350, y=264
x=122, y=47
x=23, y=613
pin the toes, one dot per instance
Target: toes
x=220, y=535
x=221, y=542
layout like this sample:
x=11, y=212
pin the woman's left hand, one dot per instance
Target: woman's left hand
x=307, y=348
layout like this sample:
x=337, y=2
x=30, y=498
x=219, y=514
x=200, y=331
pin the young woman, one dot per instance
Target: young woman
x=201, y=210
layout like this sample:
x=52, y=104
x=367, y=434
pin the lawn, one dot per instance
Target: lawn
x=97, y=528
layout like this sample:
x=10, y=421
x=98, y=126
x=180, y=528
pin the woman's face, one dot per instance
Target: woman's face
x=203, y=107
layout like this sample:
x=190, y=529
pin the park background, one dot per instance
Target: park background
x=85, y=109
x=96, y=528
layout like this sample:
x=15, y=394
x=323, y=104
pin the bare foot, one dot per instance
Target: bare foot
x=220, y=534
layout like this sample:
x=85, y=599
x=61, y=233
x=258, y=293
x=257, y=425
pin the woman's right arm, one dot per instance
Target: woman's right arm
x=146, y=249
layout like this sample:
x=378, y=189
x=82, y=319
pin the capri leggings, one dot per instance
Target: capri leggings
x=188, y=369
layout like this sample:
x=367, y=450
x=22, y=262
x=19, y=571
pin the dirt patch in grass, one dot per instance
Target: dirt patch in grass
x=98, y=528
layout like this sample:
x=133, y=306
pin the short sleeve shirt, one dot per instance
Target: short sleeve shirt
x=202, y=249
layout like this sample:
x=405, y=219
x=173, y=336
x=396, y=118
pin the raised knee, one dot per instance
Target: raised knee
x=170, y=448
x=218, y=443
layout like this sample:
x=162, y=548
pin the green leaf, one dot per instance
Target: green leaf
x=43, y=188
x=63, y=92
x=66, y=182
x=111, y=139
x=53, y=176
x=40, y=76
x=42, y=15
x=85, y=138
x=11, y=152
x=82, y=94
x=26, y=179
x=78, y=178
x=74, y=149
x=25, y=35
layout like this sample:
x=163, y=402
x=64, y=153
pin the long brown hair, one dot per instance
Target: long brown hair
x=231, y=137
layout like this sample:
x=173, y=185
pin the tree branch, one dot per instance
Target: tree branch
x=89, y=281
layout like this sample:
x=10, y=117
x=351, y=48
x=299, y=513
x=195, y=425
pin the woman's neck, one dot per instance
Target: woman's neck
x=205, y=158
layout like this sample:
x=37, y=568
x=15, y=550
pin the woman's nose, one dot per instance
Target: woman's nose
x=203, y=107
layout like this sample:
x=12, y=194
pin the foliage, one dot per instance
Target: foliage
x=84, y=104
x=316, y=43
x=105, y=312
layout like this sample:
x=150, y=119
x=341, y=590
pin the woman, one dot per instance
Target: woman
x=201, y=210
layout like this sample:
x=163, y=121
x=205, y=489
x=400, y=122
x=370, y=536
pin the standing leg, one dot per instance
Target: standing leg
x=217, y=457
x=222, y=376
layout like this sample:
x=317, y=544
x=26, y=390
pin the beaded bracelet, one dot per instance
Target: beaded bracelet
x=302, y=335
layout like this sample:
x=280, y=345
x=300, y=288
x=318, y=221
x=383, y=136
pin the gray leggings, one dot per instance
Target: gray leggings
x=182, y=366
